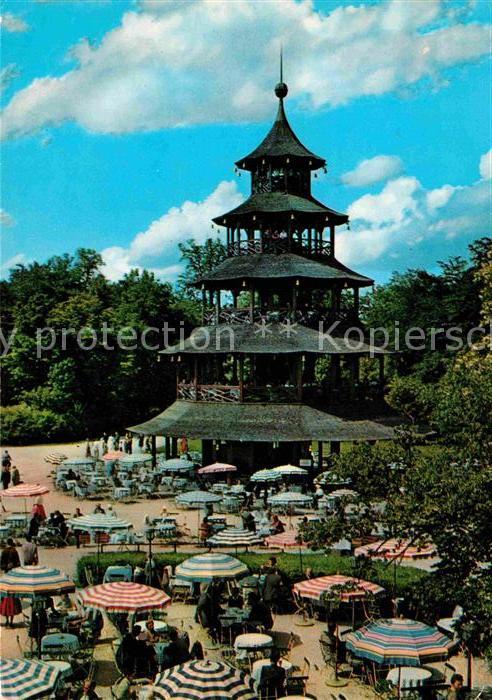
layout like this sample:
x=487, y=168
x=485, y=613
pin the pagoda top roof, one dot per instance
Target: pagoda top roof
x=281, y=142
x=287, y=265
x=282, y=203
x=258, y=423
x=269, y=338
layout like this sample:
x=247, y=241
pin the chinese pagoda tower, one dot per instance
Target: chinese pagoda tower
x=275, y=312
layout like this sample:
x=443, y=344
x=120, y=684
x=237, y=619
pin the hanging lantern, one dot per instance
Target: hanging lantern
x=179, y=358
x=298, y=282
x=292, y=216
x=288, y=160
x=224, y=221
x=316, y=175
x=244, y=283
x=254, y=217
x=310, y=162
x=244, y=165
x=325, y=170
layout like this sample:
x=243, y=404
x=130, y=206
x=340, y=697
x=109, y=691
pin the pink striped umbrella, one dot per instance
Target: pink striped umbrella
x=113, y=455
x=356, y=589
x=25, y=491
x=395, y=549
x=124, y=597
x=284, y=539
x=217, y=468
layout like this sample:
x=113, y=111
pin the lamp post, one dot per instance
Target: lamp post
x=150, y=535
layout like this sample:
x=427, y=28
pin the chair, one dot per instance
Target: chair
x=118, y=573
x=283, y=645
x=296, y=682
x=181, y=591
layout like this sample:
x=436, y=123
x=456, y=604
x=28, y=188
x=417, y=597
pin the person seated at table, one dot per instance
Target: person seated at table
x=259, y=614
x=78, y=513
x=87, y=691
x=204, y=531
x=148, y=634
x=99, y=509
x=10, y=556
x=38, y=509
x=235, y=599
x=29, y=552
x=174, y=653
x=248, y=520
x=269, y=566
x=277, y=525
x=57, y=520
x=71, y=475
x=129, y=650
x=272, y=679
x=456, y=691
x=196, y=652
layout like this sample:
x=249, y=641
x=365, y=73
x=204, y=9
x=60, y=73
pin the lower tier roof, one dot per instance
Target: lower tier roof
x=269, y=266
x=258, y=423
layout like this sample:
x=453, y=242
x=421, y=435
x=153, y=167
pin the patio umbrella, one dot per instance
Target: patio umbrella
x=204, y=680
x=284, y=539
x=135, y=459
x=234, y=537
x=288, y=498
x=290, y=470
x=217, y=468
x=330, y=478
x=393, y=548
x=266, y=475
x=400, y=642
x=31, y=581
x=98, y=522
x=55, y=457
x=175, y=465
x=343, y=493
x=25, y=491
x=113, y=455
x=79, y=462
x=21, y=679
x=353, y=589
x=197, y=498
x=123, y=597
x=205, y=567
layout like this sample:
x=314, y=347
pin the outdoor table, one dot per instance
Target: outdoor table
x=62, y=666
x=166, y=530
x=121, y=492
x=259, y=664
x=17, y=519
x=447, y=625
x=408, y=676
x=253, y=641
x=4, y=531
x=160, y=627
x=217, y=519
x=59, y=642
x=99, y=480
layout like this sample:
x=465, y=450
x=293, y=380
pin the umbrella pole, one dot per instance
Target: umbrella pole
x=300, y=558
x=399, y=682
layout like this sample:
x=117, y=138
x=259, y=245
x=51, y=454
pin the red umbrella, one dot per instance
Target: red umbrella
x=25, y=491
x=217, y=468
x=124, y=597
x=355, y=589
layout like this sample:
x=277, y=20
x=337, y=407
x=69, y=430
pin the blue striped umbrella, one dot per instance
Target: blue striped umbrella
x=21, y=679
x=400, y=642
x=234, y=537
x=205, y=567
x=286, y=498
x=99, y=522
x=266, y=475
x=35, y=580
x=197, y=498
x=175, y=465
x=79, y=462
x=204, y=680
x=135, y=459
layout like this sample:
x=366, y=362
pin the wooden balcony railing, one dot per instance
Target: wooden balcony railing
x=302, y=246
x=218, y=393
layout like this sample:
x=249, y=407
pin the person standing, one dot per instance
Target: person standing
x=29, y=552
x=6, y=459
x=10, y=556
x=15, y=476
x=6, y=476
x=88, y=451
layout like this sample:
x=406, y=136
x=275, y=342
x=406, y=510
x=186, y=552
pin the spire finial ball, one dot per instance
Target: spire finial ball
x=281, y=90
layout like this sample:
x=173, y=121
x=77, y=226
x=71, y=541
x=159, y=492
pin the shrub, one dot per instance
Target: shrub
x=22, y=424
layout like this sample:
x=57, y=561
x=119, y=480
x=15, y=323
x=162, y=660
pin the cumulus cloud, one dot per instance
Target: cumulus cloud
x=155, y=248
x=13, y=23
x=373, y=170
x=486, y=166
x=175, y=64
x=6, y=219
x=5, y=267
x=405, y=218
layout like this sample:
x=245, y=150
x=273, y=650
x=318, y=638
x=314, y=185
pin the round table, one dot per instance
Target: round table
x=70, y=642
x=122, y=492
x=253, y=640
x=160, y=626
x=4, y=531
x=62, y=666
x=17, y=519
x=408, y=676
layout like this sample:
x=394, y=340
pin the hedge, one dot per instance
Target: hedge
x=407, y=578
x=25, y=425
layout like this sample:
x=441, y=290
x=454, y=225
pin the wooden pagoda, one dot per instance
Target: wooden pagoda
x=246, y=378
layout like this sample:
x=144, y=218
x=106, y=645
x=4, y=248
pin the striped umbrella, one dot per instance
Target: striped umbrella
x=99, y=522
x=400, y=642
x=79, y=462
x=123, y=597
x=347, y=588
x=234, y=537
x=21, y=679
x=395, y=549
x=35, y=580
x=284, y=539
x=135, y=459
x=217, y=468
x=175, y=465
x=266, y=475
x=197, y=498
x=290, y=470
x=113, y=455
x=204, y=680
x=287, y=498
x=205, y=567
x=25, y=491
x=55, y=457
x=343, y=493
x=330, y=478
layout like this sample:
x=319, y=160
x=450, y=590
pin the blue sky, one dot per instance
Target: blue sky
x=126, y=142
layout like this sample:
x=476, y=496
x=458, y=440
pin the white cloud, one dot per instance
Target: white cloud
x=486, y=166
x=373, y=170
x=5, y=267
x=6, y=219
x=13, y=23
x=404, y=220
x=175, y=64
x=155, y=248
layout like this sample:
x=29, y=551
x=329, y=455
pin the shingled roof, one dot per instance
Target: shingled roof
x=281, y=142
x=258, y=423
x=273, y=338
x=281, y=203
x=287, y=265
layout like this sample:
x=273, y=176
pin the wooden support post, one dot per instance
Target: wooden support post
x=153, y=443
x=241, y=378
x=299, y=364
x=168, y=447
x=334, y=448
x=174, y=447
x=332, y=240
x=320, y=454
x=356, y=302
